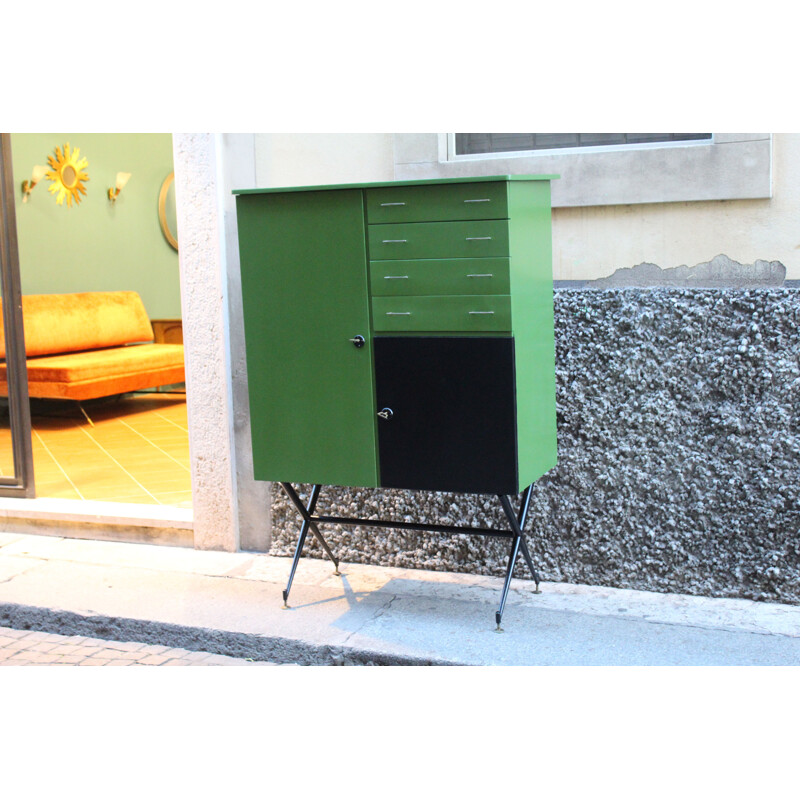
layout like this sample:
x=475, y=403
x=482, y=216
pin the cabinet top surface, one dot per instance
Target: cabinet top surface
x=379, y=184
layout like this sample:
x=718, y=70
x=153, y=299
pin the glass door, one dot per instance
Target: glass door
x=16, y=457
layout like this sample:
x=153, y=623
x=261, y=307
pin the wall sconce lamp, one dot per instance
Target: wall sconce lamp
x=122, y=179
x=27, y=186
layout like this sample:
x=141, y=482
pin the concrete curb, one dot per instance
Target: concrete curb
x=227, y=643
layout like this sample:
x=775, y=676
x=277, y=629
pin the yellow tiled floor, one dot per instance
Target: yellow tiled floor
x=137, y=451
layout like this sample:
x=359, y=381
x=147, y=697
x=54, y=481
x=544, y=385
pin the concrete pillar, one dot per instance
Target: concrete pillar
x=231, y=511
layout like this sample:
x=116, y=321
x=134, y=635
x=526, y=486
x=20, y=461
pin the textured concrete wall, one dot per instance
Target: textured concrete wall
x=200, y=251
x=679, y=455
x=231, y=510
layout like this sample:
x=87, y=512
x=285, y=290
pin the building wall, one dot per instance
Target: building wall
x=592, y=238
x=678, y=456
x=307, y=159
x=97, y=245
x=677, y=408
x=591, y=242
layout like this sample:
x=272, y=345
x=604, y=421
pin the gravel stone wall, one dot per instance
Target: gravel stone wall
x=679, y=456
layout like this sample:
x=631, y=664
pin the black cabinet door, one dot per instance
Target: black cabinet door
x=450, y=423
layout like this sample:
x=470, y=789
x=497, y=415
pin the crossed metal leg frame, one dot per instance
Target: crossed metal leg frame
x=516, y=520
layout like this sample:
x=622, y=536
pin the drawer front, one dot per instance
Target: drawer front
x=439, y=276
x=473, y=239
x=437, y=202
x=442, y=313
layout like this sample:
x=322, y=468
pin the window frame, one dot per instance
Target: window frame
x=599, y=148
x=729, y=166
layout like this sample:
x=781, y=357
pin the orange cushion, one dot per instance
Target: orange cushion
x=108, y=363
x=68, y=323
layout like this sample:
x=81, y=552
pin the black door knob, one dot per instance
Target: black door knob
x=358, y=341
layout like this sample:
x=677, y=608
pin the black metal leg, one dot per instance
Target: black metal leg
x=524, y=507
x=312, y=503
x=527, y=556
x=509, y=571
x=517, y=524
x=522, y=518
x=517, y=519
x=308, y=524
x=305, y=514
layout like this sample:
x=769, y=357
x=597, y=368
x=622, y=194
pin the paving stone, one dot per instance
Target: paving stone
x=65, y=650
x=43, y=647
x=36, y=657
x=125, y=646
x=154, y=660
x=37, y=648
x=72, y=658
x=8, y=653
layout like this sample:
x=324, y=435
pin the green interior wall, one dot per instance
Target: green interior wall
x=98, y=245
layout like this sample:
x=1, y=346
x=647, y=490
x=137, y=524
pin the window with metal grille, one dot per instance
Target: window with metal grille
x=476, y=143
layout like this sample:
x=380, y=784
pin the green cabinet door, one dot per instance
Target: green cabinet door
x=305, y=296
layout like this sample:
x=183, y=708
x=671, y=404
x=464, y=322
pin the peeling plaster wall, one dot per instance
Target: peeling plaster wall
x=592, y=242
x=679, y=456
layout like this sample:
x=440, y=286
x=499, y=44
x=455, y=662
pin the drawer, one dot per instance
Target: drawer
x=442, y=313
x=437, y=202
x=405, y=241
x=440, y=276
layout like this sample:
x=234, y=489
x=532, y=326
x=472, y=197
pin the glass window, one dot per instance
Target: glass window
x=477, y=143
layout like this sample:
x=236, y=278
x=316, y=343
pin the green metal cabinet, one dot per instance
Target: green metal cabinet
x=401, y=334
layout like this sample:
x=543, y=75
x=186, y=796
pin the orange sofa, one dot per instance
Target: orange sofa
x=91, y=344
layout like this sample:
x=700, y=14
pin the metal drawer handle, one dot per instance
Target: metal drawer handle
x=395, y=277
x=401, y=313
x=479, y=238
x=394, y=241
x=392, y=204
x=482, y=200
x=481, y=312
x=481, y=275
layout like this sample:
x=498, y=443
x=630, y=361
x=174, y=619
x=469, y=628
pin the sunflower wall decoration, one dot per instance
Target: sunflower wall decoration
x=67, y=174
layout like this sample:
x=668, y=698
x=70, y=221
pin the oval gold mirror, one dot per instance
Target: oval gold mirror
x=167, y=213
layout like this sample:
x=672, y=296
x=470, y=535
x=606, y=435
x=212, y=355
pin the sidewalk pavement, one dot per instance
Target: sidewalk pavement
x=37, y=649
x=229, y=604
